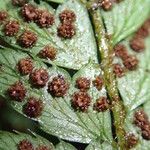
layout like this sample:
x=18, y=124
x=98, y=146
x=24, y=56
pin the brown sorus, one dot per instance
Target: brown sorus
x=137, y=44
x=66, y=30
x=106, y=4
x=11, y=28
x=29, y=12
x=131, y=140
x=42, y=147
x=25, y=66
x=101, y=104
x=67, y=16
x=118, y=70
x=39, y=77
x=81, y=101
x=45, y=19
x=83, y=83
x=27, y=39
x=120, y=51
x=146, y=131
x=146, y=25
x=33, y=108
x=48, y=52
x=58, y=87
x=17, y=91
x=144, y=30
x=25, y=145
x=3, y=16
x=140, y=118
x=131, y=62
x=98, y=83
x=19, y=2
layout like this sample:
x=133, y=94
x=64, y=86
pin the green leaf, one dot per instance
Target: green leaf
x=134, y=87
x=58, y=116
x=78, y=126
x=125, y=18
x=65, y=146
x=98, y=145
x=71, y=53
x=11, y=140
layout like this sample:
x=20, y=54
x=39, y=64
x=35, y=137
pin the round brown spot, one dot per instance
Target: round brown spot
x=27, y=39
x=42, y=147
x=140, y=118
x=98, y=83
x=131, y=62
x=67, y=16
x=58, y=86
x=131, y=140
x=141, y=121
x=66, y=30
x=25, y=145
x=137, y=44
x=118, y=70
x=33, y=108
x=3, y=16
x=11, y=28
x=17, y=92
x=39, y=77
x=144, y=30
x=83, y=83
x=101, y=105
x=25, y=66
x=29, y=12
x=19, y=2
x=106, y=4
x=48, y=52
x=146, y=131
x=81, y=101
x=121, y=51
x=45, y=19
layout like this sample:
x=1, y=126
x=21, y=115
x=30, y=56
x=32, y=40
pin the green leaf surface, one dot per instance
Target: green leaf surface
x=134, y=87
x=77, y=126
x=10, y=140
x=64, y=146
x=125, y=18
x=71, y=53
x=97, y=145
x=58, y=116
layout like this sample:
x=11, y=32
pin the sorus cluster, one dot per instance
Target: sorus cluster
x=27, y=145
x=131, y=140
x=141, y=121
x=57, y=87
x=137, y=44
x=81, y=100
x=66, y=28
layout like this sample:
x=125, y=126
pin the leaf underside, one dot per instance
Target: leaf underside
x=79, y=53
x=58, y=117
x=134, y=87
x=125, y=18
x=71, y=53
x=11, y=140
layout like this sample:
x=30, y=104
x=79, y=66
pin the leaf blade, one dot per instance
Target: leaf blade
x=125, y=18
